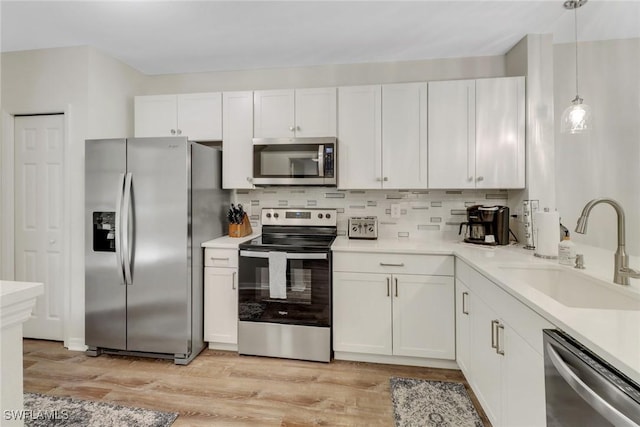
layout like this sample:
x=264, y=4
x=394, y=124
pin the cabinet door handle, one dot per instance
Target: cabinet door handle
x=494, y=323
x=173, y=131
x=386, y=178
x=385, y=264
x=388, y=287
x=179, y=132
x=233, y=280
x=499, y=348
x=218, y=259
x=480, y=178
x=464, y=303
x=291, y=128
x=396, y=280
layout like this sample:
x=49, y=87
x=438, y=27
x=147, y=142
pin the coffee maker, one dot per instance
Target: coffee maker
x=487, y=225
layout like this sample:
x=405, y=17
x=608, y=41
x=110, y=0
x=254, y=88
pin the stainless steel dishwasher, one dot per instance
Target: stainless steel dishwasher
x=584, y=390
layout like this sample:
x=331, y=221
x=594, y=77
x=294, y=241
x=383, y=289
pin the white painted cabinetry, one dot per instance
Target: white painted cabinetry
x=237, y=140
x=500, y=350
x=221, y=298
x=359, y=137
x=477, y=133
x=295, y=113
x=382, y=136
x=393, y=305
x=197, y=116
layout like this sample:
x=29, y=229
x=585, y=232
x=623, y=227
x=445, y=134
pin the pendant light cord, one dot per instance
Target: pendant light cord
x=575, y=27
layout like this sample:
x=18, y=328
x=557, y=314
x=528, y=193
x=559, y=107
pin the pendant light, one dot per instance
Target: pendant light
x=576, y=118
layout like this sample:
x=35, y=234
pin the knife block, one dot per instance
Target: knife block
x=242, y=229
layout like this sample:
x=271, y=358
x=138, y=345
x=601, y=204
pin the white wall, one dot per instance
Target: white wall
x=606, y=162
x=112, y=86
x=329, y=75
x=94, y=90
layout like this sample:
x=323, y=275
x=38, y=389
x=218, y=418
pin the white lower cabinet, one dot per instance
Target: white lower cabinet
x=381, y=308
x=221, y=298
x=500, y=350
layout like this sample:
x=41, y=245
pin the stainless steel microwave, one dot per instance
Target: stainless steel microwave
x=295, y=161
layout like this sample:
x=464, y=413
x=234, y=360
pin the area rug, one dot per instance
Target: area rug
x=432, y=403
x=44, y=411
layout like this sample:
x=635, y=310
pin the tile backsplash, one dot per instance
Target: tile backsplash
x=433, y=214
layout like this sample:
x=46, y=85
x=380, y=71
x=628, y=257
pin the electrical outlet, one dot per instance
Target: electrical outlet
x=395, y=210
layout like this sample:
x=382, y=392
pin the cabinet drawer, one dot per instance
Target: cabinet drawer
x=220, y=258
x=524, y=321
x=438, y=265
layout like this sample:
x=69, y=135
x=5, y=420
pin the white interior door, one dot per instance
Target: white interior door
x=39, y=210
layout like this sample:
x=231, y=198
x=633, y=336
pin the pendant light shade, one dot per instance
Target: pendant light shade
x=577, y=117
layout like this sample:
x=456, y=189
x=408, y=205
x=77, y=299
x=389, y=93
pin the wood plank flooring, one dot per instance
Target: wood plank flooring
x=222, y=388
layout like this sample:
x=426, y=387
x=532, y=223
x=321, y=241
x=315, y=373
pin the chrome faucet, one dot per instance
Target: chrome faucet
x=621, y=272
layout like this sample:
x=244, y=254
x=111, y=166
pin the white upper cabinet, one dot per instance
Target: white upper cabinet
x=197, y=116
x=404, y=136
x=156, y=115
x=359, y=137
x=295, y=113
x=382, y=136
x=500, y=133
x=477, y=133
x=237, y=143
x=452, y=134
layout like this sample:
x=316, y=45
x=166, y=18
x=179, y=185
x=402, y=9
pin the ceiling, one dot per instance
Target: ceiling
x=181, y=36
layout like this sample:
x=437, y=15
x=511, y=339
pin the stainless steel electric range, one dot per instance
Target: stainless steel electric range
x=284, y=290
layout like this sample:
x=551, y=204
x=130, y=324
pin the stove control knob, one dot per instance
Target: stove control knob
x=275, y=215
x=268, y=215
x=320, y=216
x=328, y=216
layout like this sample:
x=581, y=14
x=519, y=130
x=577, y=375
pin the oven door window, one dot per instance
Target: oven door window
x=306, y=290
x=287, y=161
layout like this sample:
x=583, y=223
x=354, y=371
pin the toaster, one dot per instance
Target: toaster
x=363, y=227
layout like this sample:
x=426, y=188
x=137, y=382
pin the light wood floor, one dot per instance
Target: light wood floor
x=222, y=388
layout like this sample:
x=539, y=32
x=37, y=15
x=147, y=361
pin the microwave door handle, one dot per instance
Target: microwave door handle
x=321, y=160
x=261, y=254
x=594, y=400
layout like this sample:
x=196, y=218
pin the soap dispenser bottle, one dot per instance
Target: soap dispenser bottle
x=566, y=250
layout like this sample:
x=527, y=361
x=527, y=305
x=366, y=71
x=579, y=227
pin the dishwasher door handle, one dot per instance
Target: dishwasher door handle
x=594, y=400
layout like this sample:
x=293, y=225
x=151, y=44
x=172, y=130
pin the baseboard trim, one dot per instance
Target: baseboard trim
x=223, y=346
x=396, y=360
x=75, y=344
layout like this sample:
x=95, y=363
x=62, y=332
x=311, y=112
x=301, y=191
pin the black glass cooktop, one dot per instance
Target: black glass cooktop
x=293, y=238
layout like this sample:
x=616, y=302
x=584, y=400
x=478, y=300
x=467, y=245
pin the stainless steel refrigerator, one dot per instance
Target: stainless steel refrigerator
x=149, y=205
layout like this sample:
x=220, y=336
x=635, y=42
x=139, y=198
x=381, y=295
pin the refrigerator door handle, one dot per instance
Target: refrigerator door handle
x=126, y=251
x=118, y=236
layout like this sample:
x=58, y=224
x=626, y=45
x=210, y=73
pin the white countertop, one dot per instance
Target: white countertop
x=612, y=334
x=226, y=242
x=13, y=292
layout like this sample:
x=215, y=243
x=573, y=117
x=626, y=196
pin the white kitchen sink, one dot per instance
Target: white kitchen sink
x=574, y=289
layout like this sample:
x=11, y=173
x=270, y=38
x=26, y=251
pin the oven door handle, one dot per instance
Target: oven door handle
x=295, y=255
x=594, y=400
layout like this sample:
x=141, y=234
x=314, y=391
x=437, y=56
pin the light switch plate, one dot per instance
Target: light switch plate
x=395, y=210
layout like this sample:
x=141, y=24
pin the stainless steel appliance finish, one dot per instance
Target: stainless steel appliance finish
x=583, y=390
x=284, y=297
x=295, y=161
x=149, y=204
x=363, y=227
